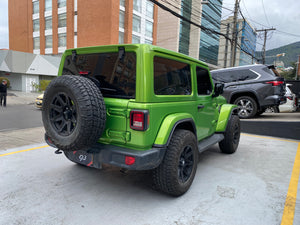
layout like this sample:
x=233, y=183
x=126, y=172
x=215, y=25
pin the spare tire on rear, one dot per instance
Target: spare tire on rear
x=73, y=112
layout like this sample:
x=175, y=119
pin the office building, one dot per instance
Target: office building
x=209, y=42
x=179, y=35
x=246, y=43
x=51, y=26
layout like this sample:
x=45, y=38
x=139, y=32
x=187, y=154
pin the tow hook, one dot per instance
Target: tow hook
x=58, y=151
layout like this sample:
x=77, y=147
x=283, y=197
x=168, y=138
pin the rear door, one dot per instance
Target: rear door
x=116, y=78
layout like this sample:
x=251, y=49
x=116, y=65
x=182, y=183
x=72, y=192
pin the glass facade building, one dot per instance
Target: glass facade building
x=184, y=32
x=248, y=44
x=209, y=42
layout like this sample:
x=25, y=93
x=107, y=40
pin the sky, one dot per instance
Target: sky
x=284, y=15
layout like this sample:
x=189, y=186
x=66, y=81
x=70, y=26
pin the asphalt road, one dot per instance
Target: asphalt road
x=14, y=117
x=249, y=187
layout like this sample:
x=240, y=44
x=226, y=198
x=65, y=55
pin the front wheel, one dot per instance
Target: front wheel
x=231, y=136
x=176, y=173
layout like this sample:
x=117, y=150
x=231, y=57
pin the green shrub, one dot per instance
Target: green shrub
x=4, y=78
x=44, y=84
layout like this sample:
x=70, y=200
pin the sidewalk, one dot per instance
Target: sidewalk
x=18, y=138
x=19, y=97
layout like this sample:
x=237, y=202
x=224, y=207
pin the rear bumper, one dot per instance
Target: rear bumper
x=109, y=154
x=273, y=100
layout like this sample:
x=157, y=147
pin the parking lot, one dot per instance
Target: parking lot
x=248, y=187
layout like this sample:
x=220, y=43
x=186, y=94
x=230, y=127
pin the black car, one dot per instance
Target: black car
x=253, y=88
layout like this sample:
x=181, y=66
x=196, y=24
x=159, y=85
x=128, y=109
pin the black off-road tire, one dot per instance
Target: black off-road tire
x=231, y=139
x=247, y=107
x=176, y=173
x=73, y=112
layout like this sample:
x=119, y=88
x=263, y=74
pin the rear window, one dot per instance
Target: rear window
x=115, y=77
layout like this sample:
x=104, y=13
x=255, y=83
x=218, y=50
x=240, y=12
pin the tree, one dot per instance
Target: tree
x=289, y=75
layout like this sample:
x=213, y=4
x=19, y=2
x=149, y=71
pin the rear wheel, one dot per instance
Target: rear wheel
x=176, y=173
x=73, y=113
x=247, y=107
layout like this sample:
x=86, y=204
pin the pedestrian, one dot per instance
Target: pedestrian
x=3, y=93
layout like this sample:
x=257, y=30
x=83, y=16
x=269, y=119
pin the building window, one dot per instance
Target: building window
x=136, y=39
x=48, y=5
x=121, y=19
x=121, y=38
x=62, y=40
x=48, y=40
x=149, y=28
x=137, y=5
x=36, y=43
x=62, y=20
x=149, y=9
x=61, y=3
x=136, y=23
x=122, y=3
x=48, y=23
x=36, y=25
x=35, y=7
x=148, y=42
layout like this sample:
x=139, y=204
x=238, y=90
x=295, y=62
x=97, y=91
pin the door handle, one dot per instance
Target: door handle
x=201, y=106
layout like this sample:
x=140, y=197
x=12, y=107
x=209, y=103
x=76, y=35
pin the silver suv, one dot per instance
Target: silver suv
x=252, y=88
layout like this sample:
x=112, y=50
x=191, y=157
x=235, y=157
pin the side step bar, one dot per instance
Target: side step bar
x=210, y=141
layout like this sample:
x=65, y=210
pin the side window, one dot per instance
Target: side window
x=203, y=82
x=246, y=75
x=171, y=77
x=221, y=77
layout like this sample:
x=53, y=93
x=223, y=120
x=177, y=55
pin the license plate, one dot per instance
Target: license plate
x=82, y=157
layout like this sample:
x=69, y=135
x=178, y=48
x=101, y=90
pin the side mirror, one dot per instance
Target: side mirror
x=218, y=89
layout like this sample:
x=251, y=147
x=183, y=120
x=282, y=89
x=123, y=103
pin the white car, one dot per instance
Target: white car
x=291, y=101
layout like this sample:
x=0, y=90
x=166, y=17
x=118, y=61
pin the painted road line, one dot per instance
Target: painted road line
x=271, y=138
x=25, y=150
x=290, y=202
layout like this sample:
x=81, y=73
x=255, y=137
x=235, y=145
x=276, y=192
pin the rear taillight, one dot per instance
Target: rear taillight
x=129, y=160
x=275, y=82
x=139, y=120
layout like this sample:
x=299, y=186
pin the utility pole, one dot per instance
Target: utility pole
x=234, y=34
x=226, y=46
x=265, y=41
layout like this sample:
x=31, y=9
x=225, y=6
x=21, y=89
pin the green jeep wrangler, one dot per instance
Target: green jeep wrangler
x=138, y=107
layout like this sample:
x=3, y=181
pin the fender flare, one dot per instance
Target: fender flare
x=169, y=125
x=225, y=113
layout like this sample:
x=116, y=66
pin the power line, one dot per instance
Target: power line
x=262, y=2
x=205, y=29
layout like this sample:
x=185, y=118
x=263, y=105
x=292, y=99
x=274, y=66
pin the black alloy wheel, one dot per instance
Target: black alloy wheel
x=63, y=114
x=186, y=163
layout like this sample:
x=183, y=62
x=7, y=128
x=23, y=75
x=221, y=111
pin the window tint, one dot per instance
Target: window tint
x=171, y=77
x=203, y=82
x=233, y=75
x=115, y=77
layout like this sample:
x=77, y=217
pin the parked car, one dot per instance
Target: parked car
x=253, y=88
x=138, y=107
x=291, y=104
x=39, y=101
